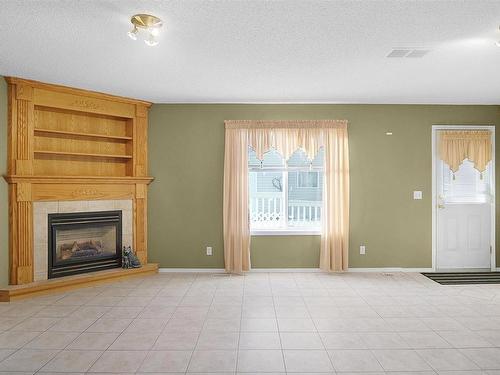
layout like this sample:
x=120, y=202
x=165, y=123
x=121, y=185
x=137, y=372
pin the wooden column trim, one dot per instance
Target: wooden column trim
x=141, y=141
x=20, y=235
x=25, y=130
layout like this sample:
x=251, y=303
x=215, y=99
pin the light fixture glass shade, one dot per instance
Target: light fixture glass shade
x=151, y=41
x=133, y=33
x=155, y=31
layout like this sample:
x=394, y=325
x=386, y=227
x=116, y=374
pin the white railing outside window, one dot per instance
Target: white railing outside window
x=304, y=213
x=267, y=211
x=285, y=211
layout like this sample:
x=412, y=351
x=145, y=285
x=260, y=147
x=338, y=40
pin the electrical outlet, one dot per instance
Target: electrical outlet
x=362, y=250
x=209, y=250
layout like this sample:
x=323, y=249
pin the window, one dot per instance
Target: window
x=467, y=185
x=285, y=196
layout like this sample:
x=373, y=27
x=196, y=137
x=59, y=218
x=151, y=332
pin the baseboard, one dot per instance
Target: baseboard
x=191, y=270
x=294, y=270
x=219, y=270
x=291, y=270
x=389, y=269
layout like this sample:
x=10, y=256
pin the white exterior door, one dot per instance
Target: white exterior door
x=464, y=217
x=464, y=236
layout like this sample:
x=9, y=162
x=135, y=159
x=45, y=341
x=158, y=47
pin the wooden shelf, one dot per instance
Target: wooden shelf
x=82, y=134
x=83, y=154
x=127, y=180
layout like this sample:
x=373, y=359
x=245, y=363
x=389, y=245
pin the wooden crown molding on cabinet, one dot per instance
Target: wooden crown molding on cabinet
x=72, y=144
x=71, y=90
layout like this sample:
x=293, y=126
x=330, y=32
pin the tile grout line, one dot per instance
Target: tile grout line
x=203, y=325
x=241, y=322
x=277, y=321
x=317, y=332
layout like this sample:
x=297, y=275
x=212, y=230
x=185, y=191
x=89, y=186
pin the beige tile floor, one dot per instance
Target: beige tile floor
x=259, y=323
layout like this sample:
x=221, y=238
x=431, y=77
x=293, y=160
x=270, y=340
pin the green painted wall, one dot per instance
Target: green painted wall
x=4, y=210
x=186, y=149
x=186, y=146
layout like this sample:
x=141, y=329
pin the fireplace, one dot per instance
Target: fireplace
x=81, y=242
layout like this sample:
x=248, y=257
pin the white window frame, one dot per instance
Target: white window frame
x=288, y=231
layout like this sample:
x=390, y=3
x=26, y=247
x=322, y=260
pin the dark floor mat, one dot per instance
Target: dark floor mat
x=458, y=278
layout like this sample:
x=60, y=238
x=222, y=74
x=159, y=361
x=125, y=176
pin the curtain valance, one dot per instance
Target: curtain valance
x=455, y=146
x=286, y=136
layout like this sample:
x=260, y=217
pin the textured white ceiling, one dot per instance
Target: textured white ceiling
x=260, y=51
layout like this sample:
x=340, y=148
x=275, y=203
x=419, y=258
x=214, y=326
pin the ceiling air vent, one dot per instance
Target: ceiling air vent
x=408, y=52
x=399, y=52
x=417, y=53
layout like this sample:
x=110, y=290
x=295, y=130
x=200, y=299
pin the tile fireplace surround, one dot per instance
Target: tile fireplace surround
x=42, y=209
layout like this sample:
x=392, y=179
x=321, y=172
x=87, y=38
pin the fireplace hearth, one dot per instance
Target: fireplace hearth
x=81, y=242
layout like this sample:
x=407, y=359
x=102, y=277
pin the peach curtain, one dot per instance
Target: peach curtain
x=236, y=220
x=456, y=145
x=335, y=233
x=286, y=137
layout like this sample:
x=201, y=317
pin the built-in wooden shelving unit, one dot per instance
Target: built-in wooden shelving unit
x=71, y=144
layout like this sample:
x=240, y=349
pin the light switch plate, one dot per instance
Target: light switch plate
x=362, y=250
x=209, y=250
x=417, y=194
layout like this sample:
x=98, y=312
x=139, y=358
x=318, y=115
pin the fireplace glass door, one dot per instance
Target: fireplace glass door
x=84, y=242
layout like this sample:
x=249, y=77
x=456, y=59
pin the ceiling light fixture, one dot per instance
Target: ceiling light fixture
x=133, y=33
x=147, y=23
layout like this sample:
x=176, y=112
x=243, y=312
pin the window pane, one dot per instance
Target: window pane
x=468, y=185
x=266, y=199
x=319, y=160
x=299, y=159
x=273, y=158
x=305, y=198
x=253, y=162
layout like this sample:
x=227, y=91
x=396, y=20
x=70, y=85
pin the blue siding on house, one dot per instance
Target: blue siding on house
x=262, y=181
x=304, y=193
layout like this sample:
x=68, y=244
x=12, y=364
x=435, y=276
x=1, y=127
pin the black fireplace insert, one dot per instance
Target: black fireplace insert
x=81, y=242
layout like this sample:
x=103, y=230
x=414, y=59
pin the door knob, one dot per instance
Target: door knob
x=441, y=206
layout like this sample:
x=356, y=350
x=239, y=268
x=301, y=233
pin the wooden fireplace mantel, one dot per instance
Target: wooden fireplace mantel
x=72, y=144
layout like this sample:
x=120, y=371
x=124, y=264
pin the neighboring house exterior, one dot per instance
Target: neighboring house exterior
x=268, y=180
